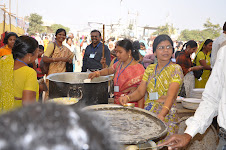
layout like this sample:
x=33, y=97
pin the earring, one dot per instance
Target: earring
x=29, y=59
x=129, y=56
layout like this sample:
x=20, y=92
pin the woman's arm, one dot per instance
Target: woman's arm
x=136, y=95
x=50, y=60
x=171, y=97
x=195, y=68
x=103, y=72
x=205, y=66
x=28, y=97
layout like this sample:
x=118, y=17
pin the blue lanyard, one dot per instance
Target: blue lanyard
x=58, y=45
x=22, y=61
x=93, y=49
x=119, y=73
x=159, y=72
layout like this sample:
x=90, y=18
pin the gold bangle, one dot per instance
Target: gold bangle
x=166, y=108
x=128, y=98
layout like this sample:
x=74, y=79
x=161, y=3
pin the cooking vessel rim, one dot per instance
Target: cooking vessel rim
x=163, y=133
x=106, y=78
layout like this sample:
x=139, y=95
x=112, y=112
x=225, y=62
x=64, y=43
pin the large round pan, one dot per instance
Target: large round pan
x=131, y=125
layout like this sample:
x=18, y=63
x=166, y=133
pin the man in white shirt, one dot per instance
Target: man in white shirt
x=217, y=44
x=213, y=104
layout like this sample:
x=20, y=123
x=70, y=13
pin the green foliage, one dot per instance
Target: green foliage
x=35, y=24
x=211, y=31
x=166, y=29
x=54, y=27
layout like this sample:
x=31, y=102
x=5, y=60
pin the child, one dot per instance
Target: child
x=38, y=70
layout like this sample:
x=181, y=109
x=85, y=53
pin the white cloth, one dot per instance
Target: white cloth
x=216, y=46
x=214, y=99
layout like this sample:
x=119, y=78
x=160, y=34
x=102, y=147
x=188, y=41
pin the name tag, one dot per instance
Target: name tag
x=116, y=88
x=153, y=96
x=91, y=55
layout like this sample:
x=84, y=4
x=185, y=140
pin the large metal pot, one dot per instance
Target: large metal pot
x=71, y=84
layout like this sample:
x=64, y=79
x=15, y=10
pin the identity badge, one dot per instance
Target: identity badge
x=153, y=96
x=116, y=88
x=91, y=55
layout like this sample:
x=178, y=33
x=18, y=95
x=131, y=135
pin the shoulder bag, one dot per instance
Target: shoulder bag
x=45, y=66
x=197, y=73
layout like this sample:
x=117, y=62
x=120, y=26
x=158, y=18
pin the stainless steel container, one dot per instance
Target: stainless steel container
x=71, y=84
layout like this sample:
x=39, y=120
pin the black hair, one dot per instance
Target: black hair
x=8, y=35
x=190, y=43
x=52, y=126
x=41, y=47
x=159, y=39
x=68, y=38
x=60, y=30
x=142, y=44
x=24, y=45
x=224, y=27
x=206, y=43
x=129, y=46
x=95, y=31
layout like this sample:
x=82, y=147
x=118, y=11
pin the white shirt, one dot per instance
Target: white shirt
x=214, y=99
x=216, y=46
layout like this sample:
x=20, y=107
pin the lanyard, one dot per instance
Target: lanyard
x=22, y=61
x=159, y=72
x=93, y=49
x=119, y=73
x=58, y=45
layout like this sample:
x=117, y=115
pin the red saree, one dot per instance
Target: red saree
x=130, y=77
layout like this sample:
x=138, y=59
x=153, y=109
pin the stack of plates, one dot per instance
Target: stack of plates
x=191, y=103
x=197, y=93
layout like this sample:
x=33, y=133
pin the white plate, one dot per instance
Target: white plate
x=192, y=100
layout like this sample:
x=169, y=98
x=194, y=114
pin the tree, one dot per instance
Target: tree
x=211, y=30
x=187, y=35
x=54, y=27
x=35, y=24
x=166, y=29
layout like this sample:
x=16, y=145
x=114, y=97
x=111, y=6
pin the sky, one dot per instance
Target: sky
x=183, y=14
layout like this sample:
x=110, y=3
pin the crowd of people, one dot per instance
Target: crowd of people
x=149, y=77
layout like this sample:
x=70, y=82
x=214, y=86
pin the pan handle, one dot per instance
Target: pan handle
x=75, y=92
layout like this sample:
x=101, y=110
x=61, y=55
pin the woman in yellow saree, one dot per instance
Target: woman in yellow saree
x=202, y=58
x=6, y=73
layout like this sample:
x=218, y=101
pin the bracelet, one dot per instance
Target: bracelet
x=128, y=97
x=166, y=108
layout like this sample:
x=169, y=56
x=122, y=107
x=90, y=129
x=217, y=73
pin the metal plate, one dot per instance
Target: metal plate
x=132, y=125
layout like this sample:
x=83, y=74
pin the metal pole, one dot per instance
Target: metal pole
x=103, y=65
x=10, y=14
x=4, y=18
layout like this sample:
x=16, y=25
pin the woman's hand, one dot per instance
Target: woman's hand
x=162, y=99
x=92, y=75
x=161, y=117
x=65, y=59
x=190, y=69
x=123, y=100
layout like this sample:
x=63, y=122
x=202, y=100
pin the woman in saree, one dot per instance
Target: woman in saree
x=57, y=55
x=127, y=71
x=161, y=82
x=6, y=73
x=202, y=58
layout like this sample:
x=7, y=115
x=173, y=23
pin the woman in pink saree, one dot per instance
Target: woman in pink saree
x=127, y=71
